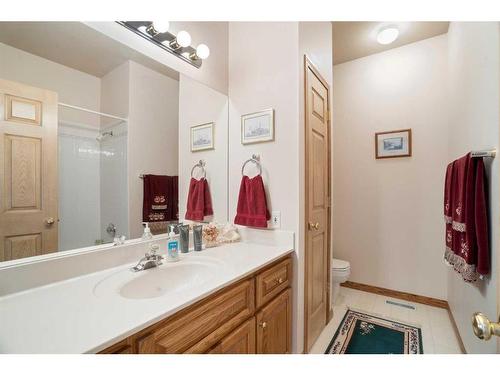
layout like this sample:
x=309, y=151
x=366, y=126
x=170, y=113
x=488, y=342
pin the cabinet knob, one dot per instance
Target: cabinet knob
x=280, y=280
x=263, y=325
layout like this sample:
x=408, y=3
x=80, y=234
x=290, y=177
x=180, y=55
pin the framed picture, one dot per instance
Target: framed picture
x=202, y=137
x=393, y=144
x=257, y=127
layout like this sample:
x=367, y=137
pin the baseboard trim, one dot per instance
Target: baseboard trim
x=397, y=294
x=455, y=328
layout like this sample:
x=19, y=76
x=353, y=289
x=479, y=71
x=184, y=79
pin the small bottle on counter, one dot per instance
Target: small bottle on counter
x=184, y=237
x=172, y=247
x=197, y=237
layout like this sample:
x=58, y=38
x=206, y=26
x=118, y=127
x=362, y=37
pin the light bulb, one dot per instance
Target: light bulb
x=202, y=51
x=161, y=26
x=387, y=35
x=183, y=38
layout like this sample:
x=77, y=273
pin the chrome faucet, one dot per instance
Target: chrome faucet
x=150, y=260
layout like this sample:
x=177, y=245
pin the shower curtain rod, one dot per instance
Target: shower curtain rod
x=91, y=111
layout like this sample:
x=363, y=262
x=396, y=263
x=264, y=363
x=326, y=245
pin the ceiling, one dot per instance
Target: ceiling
x=75, y=45
x=352, y=40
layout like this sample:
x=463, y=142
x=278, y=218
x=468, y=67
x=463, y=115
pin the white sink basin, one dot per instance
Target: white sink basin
x=156, y=282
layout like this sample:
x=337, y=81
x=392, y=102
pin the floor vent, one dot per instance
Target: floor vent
x=400, y=304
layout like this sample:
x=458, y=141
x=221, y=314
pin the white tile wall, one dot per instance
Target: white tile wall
x=78, y=190
x=114, y=182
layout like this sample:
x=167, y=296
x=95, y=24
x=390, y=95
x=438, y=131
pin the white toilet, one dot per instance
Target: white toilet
x=341, y=270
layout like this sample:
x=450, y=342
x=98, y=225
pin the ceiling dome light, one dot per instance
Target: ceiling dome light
x=387, y=35
x=161, y=26
x=202, y=51
x=183, y=38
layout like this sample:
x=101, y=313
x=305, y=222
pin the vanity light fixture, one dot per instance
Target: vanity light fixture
x=157, y=27
x=387, y=35
x=179, y=45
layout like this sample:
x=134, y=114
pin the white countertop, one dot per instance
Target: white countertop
x=69, y=317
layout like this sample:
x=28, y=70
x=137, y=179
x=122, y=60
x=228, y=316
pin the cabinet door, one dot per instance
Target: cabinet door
x=274, y=334
x=240, y=341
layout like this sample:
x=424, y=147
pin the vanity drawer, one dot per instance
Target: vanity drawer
x=198, y=328
x=272, y=281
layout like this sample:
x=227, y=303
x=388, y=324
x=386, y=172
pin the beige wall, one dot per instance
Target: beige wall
x=214, y=34
x=73, y=87
x=199, y=104
x=152, y=134
x=474, y=120
x=387, y=214
x=263, y=74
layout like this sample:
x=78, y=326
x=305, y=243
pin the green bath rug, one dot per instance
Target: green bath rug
x=361, y=333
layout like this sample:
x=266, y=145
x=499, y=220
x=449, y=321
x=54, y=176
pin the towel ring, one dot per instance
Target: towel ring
x=256, y=160
x=200, y=164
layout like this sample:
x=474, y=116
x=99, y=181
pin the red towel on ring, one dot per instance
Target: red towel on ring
x=252, y=203
x=199, y=202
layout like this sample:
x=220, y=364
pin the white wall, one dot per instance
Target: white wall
x=263, y=73
x=199, y=104
x=214, y=34
x=474, y=125
x=73, y=87
x=387, y=214
x=153, y=134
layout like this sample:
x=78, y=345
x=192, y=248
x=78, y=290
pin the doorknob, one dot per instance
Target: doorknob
x=483, y=327
x=49, y=220
x=314, y=226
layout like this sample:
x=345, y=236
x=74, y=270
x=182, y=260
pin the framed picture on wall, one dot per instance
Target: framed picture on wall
x=202, y=137
x=393, y=144
x=257, y=127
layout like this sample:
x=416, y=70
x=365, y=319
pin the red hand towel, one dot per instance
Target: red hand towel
x=448, y=208
x=199, y=203
x=252, y=203
x=470, y=250
x=481, y=221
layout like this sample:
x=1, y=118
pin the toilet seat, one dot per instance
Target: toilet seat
x=340, y=265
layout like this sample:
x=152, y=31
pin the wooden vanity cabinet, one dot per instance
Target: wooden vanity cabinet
x=247, y=317
x=273, y=326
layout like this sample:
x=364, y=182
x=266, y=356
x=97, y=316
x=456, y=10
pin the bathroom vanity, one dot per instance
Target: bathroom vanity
x=246, y=317
x=234, y=298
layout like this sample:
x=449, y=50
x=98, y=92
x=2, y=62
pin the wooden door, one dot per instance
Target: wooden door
x=317, y=180
x=28, y=171
x=240, y=341
x=274, y=333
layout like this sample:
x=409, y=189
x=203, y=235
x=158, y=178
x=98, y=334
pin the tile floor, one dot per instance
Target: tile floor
x=438, y=335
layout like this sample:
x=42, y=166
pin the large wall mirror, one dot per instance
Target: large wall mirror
x=85, y=123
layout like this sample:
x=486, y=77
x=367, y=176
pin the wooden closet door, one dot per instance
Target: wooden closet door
x=28, y=171
x=317, y=258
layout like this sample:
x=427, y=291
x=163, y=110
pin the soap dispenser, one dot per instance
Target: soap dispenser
x=147, y=232
x=172, y=246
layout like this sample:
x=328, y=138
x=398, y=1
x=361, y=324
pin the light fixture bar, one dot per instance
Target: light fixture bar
x=183, y=53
